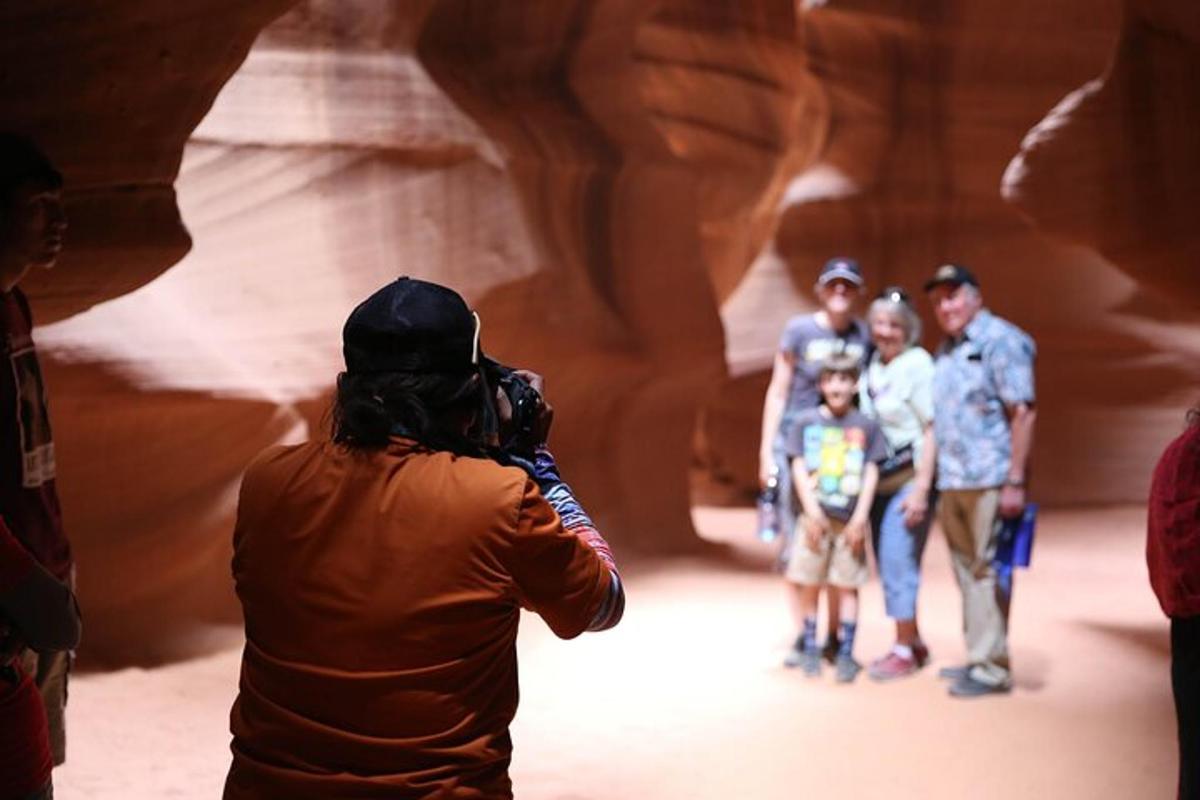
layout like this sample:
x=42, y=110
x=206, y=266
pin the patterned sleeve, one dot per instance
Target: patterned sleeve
x=1010, y=359
x=576, y=521
x=556, y=573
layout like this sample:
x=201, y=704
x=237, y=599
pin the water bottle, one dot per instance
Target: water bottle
x=768, y=509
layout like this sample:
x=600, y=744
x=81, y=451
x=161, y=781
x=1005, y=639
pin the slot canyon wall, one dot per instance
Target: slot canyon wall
x=931, y=106
x=634, y=195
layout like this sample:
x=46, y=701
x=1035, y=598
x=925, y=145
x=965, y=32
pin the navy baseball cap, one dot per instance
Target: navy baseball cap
x=846, y=269
x=954, y=274
x=412, y=325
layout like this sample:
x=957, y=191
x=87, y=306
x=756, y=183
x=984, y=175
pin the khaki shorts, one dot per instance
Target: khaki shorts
x=833, y=562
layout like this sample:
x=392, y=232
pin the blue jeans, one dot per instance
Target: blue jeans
x=898, y=551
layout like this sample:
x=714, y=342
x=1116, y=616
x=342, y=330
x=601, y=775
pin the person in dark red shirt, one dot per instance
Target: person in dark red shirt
x=1173, y=555
x=32, y=226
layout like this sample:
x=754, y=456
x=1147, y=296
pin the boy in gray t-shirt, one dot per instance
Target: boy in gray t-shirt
x=834, y=452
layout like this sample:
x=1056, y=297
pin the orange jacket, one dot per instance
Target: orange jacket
x=381, y=593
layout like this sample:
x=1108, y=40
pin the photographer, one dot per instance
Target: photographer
x=381, y=573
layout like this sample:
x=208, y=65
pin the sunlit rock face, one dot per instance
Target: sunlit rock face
x=634, y=195
x=326, y=168
x=929, y=105
x=585, y=176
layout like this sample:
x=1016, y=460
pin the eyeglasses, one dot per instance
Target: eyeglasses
x=894, y=294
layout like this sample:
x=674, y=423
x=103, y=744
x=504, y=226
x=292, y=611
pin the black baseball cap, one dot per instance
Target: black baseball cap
x=954, y=274
x=412, y=325
x=846, y=269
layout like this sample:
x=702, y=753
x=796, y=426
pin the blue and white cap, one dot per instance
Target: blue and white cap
x=846, y=269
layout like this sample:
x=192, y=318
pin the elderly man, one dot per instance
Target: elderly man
x=983, y=427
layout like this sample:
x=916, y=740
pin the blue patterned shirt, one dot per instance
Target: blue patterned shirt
x=975, y=376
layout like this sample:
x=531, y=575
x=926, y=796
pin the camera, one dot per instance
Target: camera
x=519, y=432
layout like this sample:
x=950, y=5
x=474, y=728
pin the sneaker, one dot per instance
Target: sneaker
x=893, y=666
x=954, y=673
x=966, y=686
x=847, y=669
x=809, y=661
x=794, y=658
x=830, y=651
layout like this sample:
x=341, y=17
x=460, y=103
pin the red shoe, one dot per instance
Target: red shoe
x=893, y=666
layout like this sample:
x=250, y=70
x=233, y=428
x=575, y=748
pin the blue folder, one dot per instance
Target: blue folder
x=1015, y=546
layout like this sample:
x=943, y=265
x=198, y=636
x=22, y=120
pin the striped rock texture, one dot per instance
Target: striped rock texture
x=940, y=148
x=635, y=196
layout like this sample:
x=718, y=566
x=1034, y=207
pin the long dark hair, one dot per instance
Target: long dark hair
x=432, y=408
x=21, y=160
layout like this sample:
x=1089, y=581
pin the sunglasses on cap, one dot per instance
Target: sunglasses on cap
x=894, y=294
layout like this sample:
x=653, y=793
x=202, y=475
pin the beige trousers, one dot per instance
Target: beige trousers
x=971, y=521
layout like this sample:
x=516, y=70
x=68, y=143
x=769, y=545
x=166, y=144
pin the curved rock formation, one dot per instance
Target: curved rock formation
x=634, y=194
x=647, y=142
x=614, y=164
x=318, y=176
x=929, y=103
x=1115, y=165
x=112, y=90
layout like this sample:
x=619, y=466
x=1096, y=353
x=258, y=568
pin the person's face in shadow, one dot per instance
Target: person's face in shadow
x=32, y=230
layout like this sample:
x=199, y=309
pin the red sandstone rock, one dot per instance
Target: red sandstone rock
x=598, y=179
x=647, y=142
x=1115, y=164
x=928, y=107
x=318, y=177
x=112, y=90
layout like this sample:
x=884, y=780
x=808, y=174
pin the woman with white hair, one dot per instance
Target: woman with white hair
x=896, y=390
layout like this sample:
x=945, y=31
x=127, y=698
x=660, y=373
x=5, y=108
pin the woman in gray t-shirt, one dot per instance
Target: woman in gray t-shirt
x=897, y=391
x=808, y=339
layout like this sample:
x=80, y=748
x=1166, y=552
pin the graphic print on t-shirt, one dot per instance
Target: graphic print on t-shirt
x=37, y=443
x=817, y=351
x=837, y=456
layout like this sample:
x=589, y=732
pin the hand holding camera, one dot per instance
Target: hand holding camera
x=523, y=414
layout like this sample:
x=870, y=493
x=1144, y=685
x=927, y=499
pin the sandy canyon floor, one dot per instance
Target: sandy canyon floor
x=688, y=698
